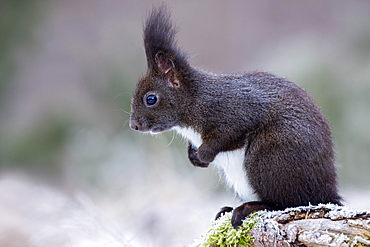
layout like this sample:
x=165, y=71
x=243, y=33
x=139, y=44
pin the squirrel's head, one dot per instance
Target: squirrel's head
x=158, y=101
x=160, y=97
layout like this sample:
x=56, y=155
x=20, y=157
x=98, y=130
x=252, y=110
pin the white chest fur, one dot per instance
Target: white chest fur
x=230, y=164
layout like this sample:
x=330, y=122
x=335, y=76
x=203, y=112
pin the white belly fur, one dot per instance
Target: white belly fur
x=230, y=164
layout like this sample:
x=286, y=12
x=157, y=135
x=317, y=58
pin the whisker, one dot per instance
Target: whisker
x=173, y=138
x=118, y=95
x=129, y=113
x=124, y=125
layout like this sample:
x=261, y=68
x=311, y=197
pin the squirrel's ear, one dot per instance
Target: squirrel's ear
x=164, y=63
x=167, y=68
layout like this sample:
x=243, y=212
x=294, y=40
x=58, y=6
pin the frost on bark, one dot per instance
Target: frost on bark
x=323, y=225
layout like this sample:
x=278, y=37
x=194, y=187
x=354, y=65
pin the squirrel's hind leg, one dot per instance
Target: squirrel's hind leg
x=241, y=212
x=223, y=211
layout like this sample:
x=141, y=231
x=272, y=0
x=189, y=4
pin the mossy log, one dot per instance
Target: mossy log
x=323, y=225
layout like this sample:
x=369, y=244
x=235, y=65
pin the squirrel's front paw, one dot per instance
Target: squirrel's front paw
x=205, y=155
x=193, y=157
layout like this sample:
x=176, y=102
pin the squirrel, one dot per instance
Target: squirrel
x=264, y=133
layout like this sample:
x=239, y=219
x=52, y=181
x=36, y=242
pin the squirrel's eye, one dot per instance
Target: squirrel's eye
x=151, y=99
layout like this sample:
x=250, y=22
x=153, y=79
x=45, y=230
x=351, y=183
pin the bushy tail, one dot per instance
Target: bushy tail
x=159, y=38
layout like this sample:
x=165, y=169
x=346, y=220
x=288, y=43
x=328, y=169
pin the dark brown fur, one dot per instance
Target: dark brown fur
x=289, y=159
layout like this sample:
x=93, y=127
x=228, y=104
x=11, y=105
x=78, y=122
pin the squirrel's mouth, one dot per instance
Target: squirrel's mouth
x=149, y=126
x=153, y=129
x=160, y=129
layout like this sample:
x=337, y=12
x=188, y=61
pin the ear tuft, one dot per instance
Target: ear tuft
x=164, y=58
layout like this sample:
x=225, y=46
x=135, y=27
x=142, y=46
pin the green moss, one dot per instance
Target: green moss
x=222, y=234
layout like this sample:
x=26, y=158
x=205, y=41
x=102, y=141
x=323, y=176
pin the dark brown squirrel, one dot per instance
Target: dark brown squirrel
x=265, y=134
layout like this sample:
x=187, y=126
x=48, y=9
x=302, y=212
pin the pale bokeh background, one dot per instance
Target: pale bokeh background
x=72, y=173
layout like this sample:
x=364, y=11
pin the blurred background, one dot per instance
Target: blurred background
x=72, y=173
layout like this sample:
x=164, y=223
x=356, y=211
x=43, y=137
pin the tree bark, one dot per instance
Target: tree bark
x=323, y=225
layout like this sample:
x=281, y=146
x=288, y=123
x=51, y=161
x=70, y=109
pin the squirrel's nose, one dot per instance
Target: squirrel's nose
x=134, y=124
